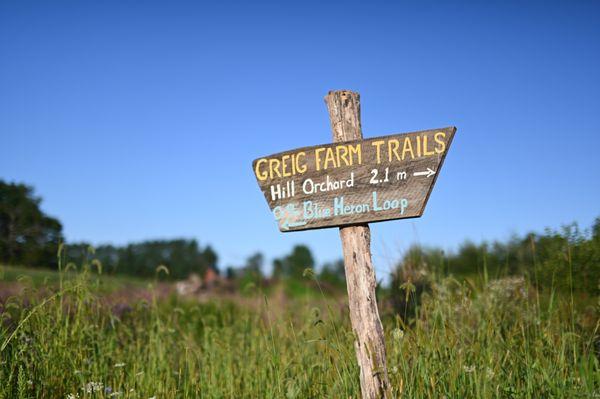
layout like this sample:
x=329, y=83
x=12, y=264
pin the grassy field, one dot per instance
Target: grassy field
x=78, y=335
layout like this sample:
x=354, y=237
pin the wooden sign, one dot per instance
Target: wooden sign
x=353, y=182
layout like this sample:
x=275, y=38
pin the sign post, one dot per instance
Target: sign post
x=369, y=341
x=348, y=184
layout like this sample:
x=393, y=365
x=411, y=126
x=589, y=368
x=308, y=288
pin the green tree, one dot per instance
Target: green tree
x=251, y=272
x=278, y=266
x=254, y=264
x=180, y=256
x=333, y=274
x=596, y=229
x=209, y=258
x=294, y=264
x=27, y=235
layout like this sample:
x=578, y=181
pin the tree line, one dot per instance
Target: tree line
x=180, y=256
x=31, y=238
x=566, y=259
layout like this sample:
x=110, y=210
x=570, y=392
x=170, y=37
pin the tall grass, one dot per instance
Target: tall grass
x=493, y=339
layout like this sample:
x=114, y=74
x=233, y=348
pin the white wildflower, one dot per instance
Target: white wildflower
x=72, y=396
x=117, y=365
x=398, y=334
x=506, y=289
x=469, y=369
x=92, y=387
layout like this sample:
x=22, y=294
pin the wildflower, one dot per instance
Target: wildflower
x=505, y=289
x=469, y=369
x=115, y=394
x=398, y=334
x=72, y=396
x=117, y=365
x=489, y=372
x=92, y=387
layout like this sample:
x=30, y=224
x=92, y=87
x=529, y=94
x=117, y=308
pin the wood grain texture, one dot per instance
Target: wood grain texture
x=398, y=170
x=344, y=113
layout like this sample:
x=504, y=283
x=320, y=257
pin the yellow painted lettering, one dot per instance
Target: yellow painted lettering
x=274, y=167
x=260, y=174
x=407, y=148
x=329, y=158
x=377, y=145
x=393, y=145
x=284, y=165
x=426, y=153
x=438, y=137
x=301, y=168
x=355, y=150
x=318, y=151
x=342, y=155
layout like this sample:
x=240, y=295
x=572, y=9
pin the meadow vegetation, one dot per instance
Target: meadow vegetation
x=478, y=337
x=513, y=319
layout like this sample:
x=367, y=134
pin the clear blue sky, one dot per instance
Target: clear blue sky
x=137, y=120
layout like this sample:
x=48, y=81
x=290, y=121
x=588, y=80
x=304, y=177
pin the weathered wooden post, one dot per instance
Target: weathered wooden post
x=348, y=184
x=344, y=114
